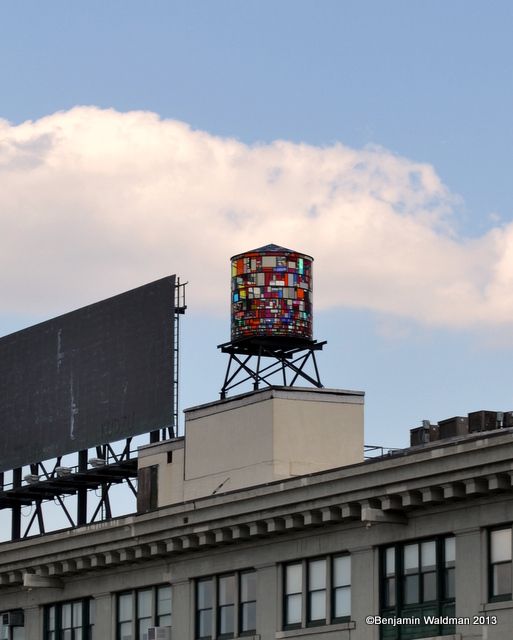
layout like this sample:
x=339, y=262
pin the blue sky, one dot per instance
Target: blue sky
x=402, y=89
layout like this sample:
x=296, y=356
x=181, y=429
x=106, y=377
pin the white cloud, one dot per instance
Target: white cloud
x=93, y=202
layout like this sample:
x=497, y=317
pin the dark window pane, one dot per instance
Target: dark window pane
x=293, y=609
x=342, y=602
x=390, y=598
x=144, y=625
x=164, y=621
x=226, y=618
x=316, y=574
x=77, y=614
x=450, y=551
x=125, y=607
x=428, y=555
x=342, y=571
x=205, y=623
x=411, y=558
x=317, y=605
x=163, y=600
x=293, y=578
x=501, y=545
x=66, y=616
x=248, y=586
x=449, y=583
x=144, y=603
x=248, y=617
x=411, y=589
x=51, y=619
x=390, y=561
x=429, y=586
x=501, y=583
x=226, y=590
x=125, y=631
x=204, y=594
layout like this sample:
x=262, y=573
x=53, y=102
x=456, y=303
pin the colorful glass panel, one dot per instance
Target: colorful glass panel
x=271, y=294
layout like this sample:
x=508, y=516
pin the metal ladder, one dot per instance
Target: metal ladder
x=180, y=308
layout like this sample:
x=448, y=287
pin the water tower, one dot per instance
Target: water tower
x=271, y=319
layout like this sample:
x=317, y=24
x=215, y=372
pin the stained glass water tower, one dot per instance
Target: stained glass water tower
x=271, y=319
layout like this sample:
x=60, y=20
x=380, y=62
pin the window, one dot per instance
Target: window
x=500, y=564
x=293, y=594
x=341, y=588
x=317, y=591
x=69, y=620
x=139, y=610
x=204, y=603
x=226, y=603
x=247, y=603
x=417, y=580
x=17, y=632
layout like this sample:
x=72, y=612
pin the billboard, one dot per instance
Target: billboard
x=92, y=376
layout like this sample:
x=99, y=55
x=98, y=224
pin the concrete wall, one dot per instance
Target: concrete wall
x=270, y=435
x=169, y=457
x=267, y=556
x=228, y=442
x=310, y=435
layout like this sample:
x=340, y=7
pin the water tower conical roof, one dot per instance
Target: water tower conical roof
x=269, y=248
x=273, y=247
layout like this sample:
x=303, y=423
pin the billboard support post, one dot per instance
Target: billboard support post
x=16, y=509
x=82, y=492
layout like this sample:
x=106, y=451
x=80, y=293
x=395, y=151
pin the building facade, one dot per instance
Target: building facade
x=266, y=522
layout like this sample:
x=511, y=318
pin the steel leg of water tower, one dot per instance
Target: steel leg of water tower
x=255, y=384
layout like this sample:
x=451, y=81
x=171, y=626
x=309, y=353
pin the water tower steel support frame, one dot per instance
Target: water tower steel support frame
x=290, y=359
x=271, y=317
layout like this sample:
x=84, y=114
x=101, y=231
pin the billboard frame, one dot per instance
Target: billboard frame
x=89, y=473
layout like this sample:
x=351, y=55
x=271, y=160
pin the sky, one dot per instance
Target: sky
x=143, y=139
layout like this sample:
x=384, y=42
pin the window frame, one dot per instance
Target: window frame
x=216, y=608
x=330, y=590
x=334, y=588
x=502, y=597
x=87, y=619
x=198, y=610
x=316, y=622
x=242, y=603
x=135, y=619
x=442, y=605
x=287, y=595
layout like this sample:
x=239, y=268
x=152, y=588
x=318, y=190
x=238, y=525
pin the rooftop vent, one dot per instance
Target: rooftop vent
x=475, y=422
x=457, y=426
x=426, y=433
x=483, y=421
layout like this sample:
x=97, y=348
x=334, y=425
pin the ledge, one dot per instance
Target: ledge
x=497, y=606
x=451, y=636
x=306, y=631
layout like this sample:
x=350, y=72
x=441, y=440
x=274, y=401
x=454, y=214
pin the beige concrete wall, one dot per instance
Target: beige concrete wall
x=232, y=445
x=270, y=435
x=258, y=438
x=170, y=474
x=311, y=436
x=171, y=481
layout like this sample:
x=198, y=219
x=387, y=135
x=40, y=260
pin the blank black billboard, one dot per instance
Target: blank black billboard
x=92, y=376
